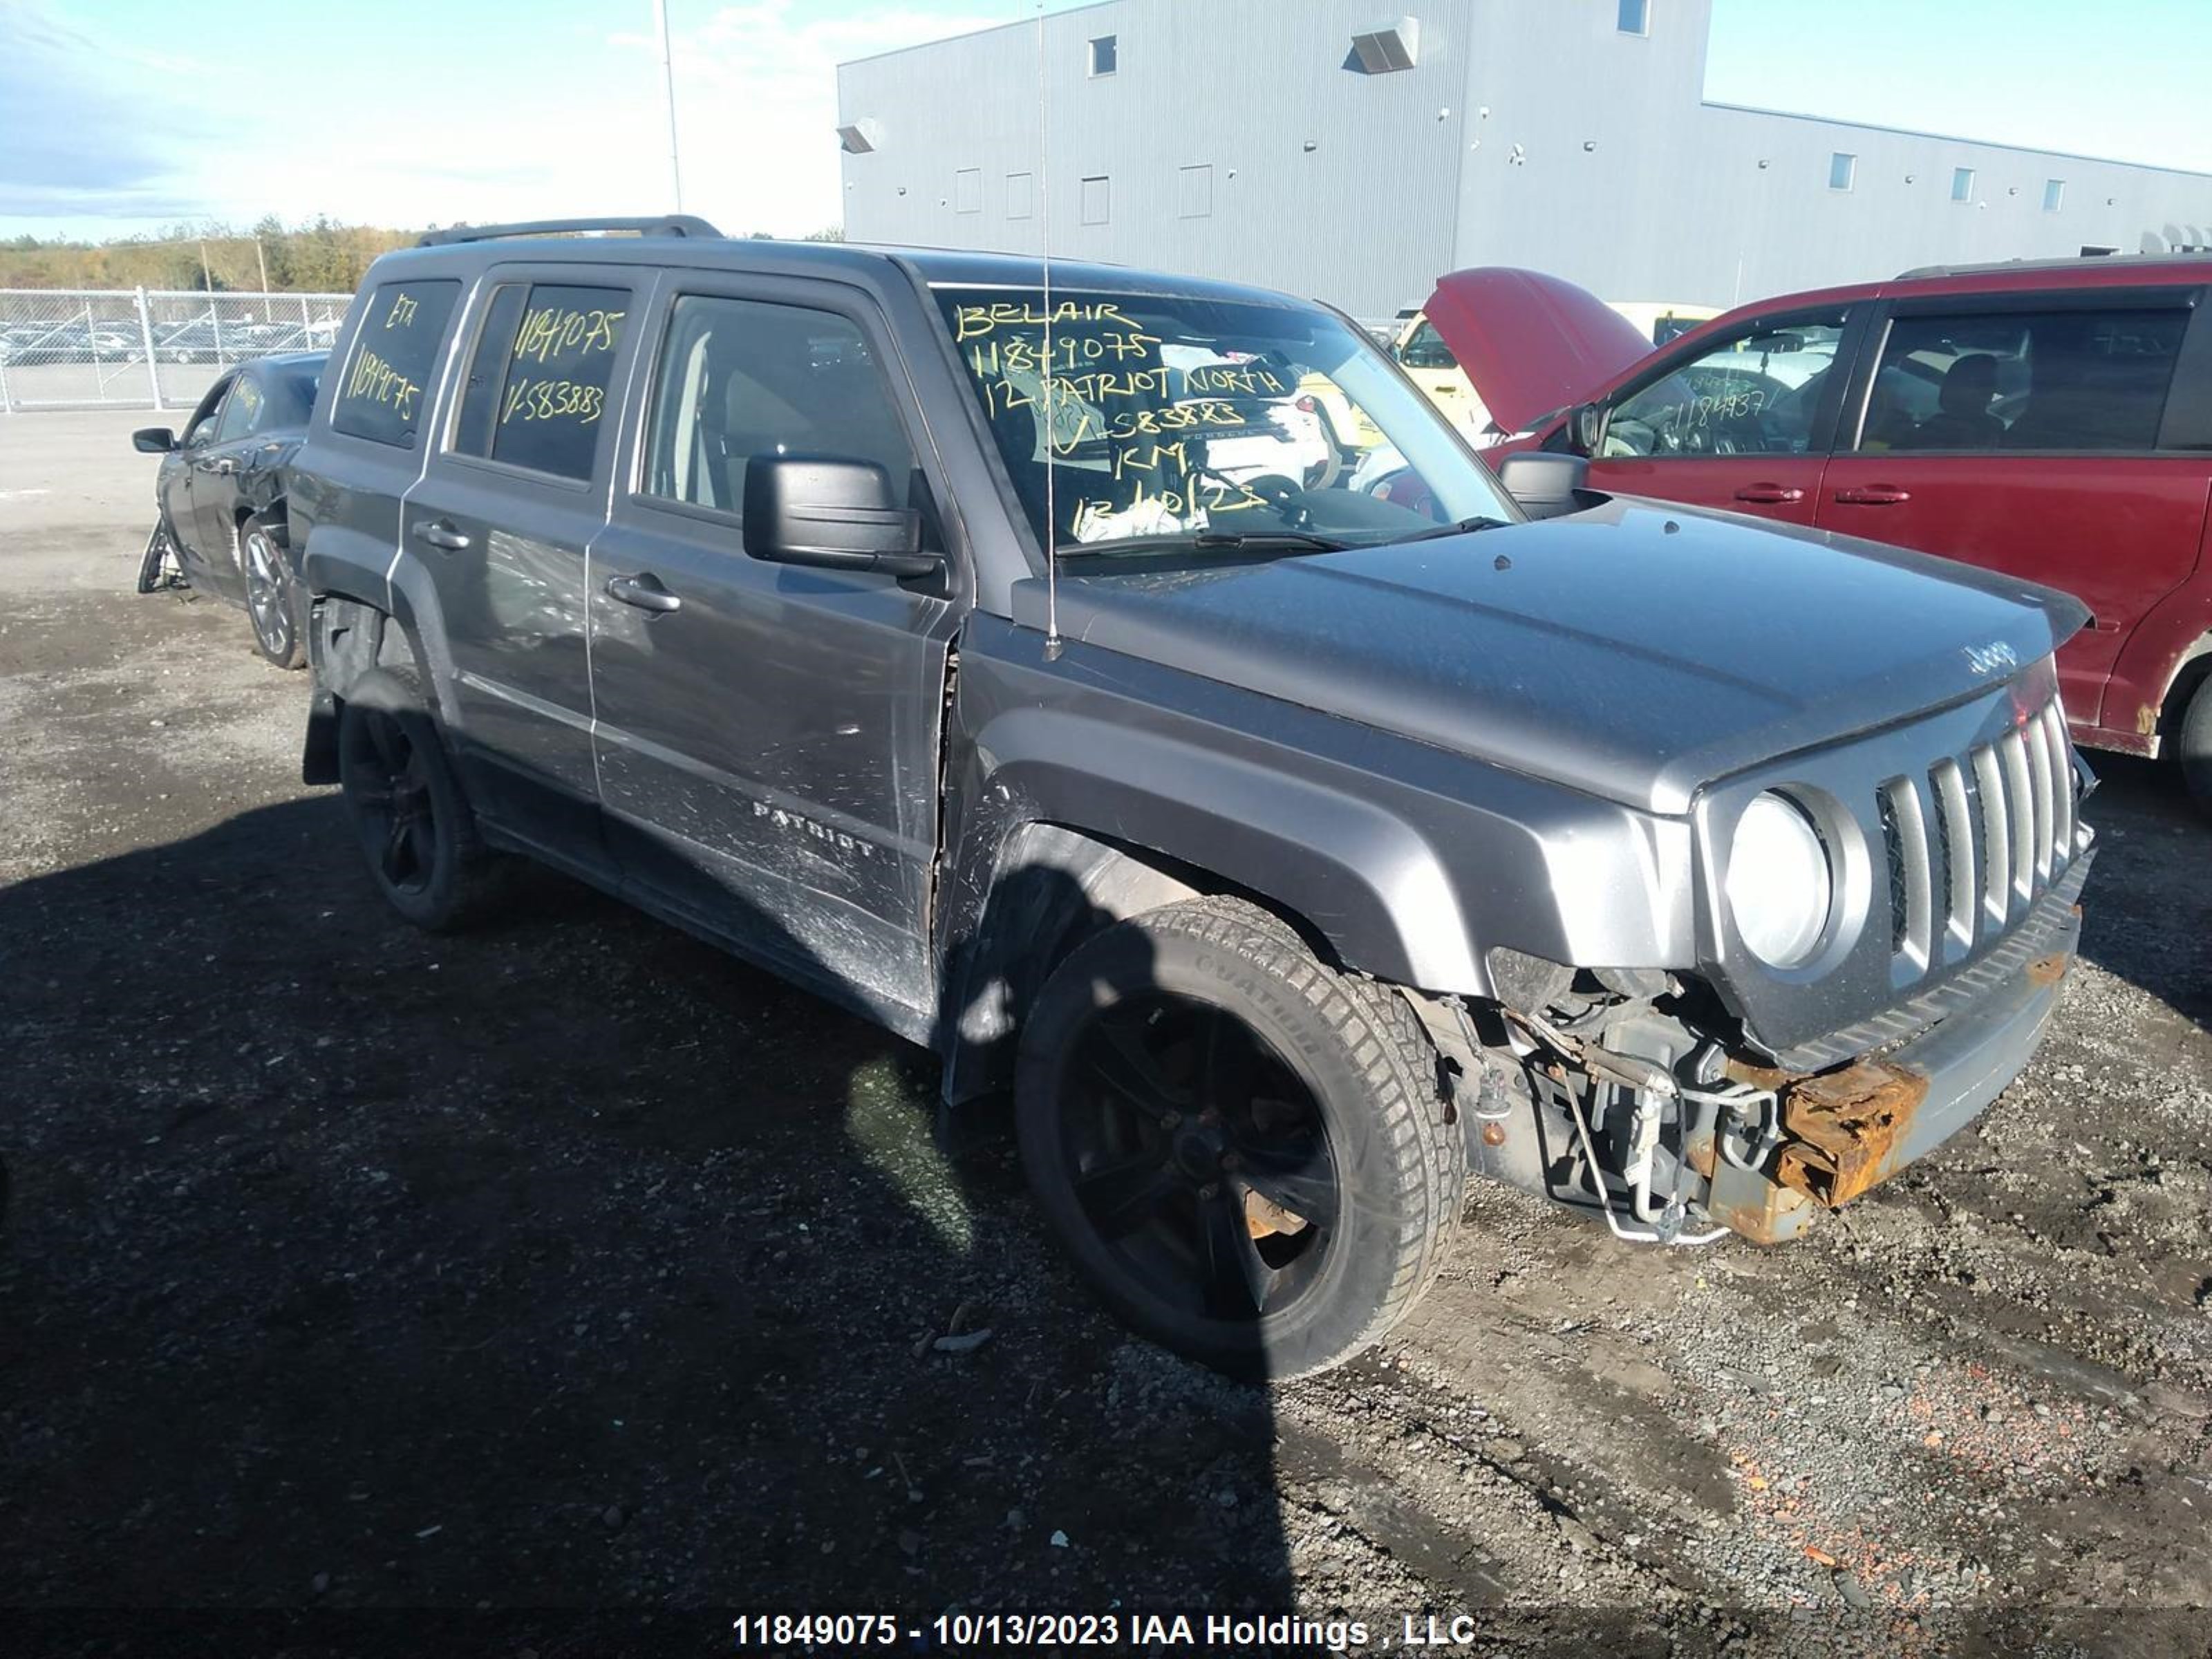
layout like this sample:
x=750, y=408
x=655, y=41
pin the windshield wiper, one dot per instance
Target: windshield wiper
x=1205, y=541
x=1464, y=527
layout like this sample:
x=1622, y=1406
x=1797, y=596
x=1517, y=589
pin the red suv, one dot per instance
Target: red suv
x=2050, y=420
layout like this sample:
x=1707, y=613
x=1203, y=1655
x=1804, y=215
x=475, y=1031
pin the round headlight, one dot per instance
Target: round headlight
x=1779, y=887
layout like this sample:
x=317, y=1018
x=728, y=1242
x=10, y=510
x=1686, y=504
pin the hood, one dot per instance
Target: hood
x=1632, y=652
x=1530, y=343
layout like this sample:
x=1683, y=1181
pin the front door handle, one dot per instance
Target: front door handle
x=222, y=466
x=1770, y=495
x=644, y=590
x=1878, y=495
x=439, y=533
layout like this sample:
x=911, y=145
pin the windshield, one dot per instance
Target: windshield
x=1182, y=420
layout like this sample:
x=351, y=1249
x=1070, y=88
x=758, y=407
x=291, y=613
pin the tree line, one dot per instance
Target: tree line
x=322, y=256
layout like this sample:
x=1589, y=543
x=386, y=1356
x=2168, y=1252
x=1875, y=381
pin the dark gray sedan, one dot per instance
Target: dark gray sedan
x=220, y=527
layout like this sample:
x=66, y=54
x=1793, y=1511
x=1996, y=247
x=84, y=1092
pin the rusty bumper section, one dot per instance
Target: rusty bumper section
x=1843, y=1131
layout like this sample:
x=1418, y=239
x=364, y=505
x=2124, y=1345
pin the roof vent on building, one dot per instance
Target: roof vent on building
x=1386, y=47
x=857, y=139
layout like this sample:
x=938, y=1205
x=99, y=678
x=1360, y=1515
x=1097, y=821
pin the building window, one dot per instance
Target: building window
x=1194, y=191
x=2054, y=195
x=1096, y=200
x=1635, y=17
x=968, y=190
x=1843, y=169
x=1962, y=184
x=1105, y=56
x=1021, y=195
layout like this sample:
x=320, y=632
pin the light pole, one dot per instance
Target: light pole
x=668, y=82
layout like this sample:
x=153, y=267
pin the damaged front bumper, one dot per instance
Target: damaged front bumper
x=1606, y=1118
x=1842, y=1131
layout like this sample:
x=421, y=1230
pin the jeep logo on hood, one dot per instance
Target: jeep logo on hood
x=1988, y=659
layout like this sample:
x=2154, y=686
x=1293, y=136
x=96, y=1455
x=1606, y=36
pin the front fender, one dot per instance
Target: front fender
x=1369, y=883
x=1406, y=860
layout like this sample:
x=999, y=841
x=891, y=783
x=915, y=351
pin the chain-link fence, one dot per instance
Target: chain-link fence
x=139, y=348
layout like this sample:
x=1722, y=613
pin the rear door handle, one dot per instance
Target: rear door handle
x=1770, y=495
x=439, y=533
x=644, y=590
x=1873, y=496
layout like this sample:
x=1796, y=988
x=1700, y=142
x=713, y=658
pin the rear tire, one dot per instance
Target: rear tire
x=271, y=598
x=1245, y=1152
x=414, y=826
x=2195, y=746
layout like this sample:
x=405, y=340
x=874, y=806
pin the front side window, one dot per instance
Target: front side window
x=203, y=426
x=1753, y=394
x=2084, y=379
x=242, y=415
x=1192, y=426
x=385, y=391
x=536, y=394
x=738, y=379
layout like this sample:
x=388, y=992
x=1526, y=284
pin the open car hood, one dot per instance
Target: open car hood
x=1530, y=343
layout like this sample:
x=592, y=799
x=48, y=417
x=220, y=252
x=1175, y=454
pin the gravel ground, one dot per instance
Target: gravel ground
x=571, y=1266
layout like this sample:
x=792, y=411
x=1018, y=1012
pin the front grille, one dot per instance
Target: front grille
x=1973, y=842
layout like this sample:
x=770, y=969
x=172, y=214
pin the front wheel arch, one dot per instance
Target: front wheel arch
x=1053, y=888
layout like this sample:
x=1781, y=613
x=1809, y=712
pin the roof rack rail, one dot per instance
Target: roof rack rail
x=667, y=224
x=2057, y=261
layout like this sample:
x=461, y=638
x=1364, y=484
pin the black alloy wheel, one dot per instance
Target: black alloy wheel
x=386, y=778
x=1198, y=1157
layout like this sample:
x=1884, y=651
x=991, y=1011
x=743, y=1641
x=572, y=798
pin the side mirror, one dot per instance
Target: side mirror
x=833, y=513
x=1545, y=485
x=1586, y=428
x=153, y=439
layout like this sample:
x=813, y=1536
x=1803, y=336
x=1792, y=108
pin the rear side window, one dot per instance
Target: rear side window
x=2072, y=379
x=385, y=391
x=536, y=394
x=739, y=378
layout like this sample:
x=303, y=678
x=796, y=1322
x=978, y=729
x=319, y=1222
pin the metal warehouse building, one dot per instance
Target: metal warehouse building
x=1325, y=147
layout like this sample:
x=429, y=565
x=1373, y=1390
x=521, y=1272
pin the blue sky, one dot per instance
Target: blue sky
x=119, y=116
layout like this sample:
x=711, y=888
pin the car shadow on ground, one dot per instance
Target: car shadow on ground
x=2146, y=825
x=568, y=1264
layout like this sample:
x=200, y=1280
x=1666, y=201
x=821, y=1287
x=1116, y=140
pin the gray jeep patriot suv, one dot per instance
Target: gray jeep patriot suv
x=1012, y=654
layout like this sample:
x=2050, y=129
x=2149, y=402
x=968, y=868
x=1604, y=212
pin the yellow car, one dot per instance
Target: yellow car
x=1431, y=365
x=1660, y=323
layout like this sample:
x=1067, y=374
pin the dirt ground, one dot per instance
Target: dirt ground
x=571, y=1266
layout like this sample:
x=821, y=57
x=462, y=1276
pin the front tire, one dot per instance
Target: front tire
x=270, y=601
x=1245, y=1153
x=154, y=562
x=414, y=826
